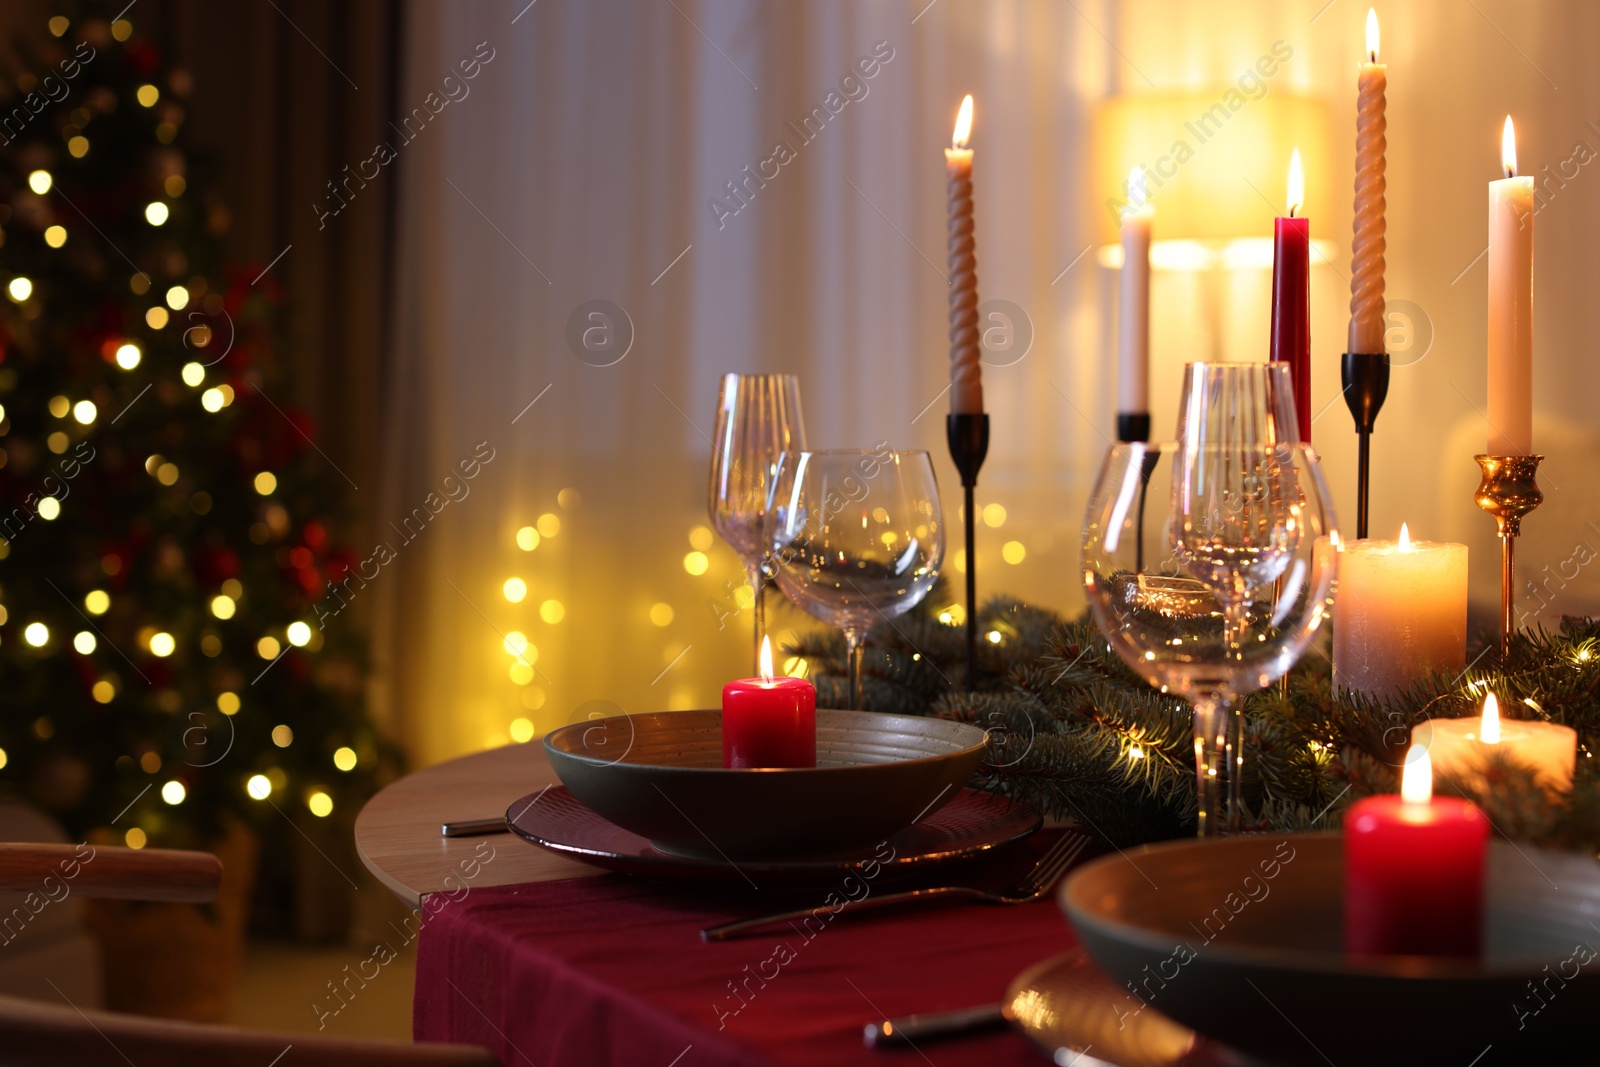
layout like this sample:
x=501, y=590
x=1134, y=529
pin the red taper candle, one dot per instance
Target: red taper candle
x=1291, y=296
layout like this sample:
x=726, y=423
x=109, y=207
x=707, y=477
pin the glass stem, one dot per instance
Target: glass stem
x=758, y=585
x=1217, y=731
x=854, y=641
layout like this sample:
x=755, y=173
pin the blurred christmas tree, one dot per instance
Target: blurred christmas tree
x=166, y=518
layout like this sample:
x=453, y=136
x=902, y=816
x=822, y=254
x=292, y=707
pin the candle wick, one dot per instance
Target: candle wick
x=1292, y=208
x=1510, y=173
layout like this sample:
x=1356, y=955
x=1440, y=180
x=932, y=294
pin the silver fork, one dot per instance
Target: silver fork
x=1035, y=884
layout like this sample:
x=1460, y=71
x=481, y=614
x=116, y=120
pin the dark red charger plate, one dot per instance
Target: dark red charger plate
x=972, y=824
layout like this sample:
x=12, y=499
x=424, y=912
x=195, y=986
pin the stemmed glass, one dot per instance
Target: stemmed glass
x=1219, y=585
x=855, y=537
x=758, y=418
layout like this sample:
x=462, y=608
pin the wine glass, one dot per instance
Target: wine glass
x=1220, y=584
x=855, y=537
x=758, y=418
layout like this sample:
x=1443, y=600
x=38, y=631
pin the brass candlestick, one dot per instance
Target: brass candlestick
x=1508, y=492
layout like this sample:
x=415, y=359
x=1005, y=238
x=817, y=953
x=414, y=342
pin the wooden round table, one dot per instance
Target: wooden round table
x=398, y=831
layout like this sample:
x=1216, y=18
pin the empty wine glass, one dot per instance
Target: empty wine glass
x=1221, y=583
x=855, y=537
x=758, y=418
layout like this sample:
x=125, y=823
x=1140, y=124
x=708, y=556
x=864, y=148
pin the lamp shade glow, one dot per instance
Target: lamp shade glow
x=1200, y=158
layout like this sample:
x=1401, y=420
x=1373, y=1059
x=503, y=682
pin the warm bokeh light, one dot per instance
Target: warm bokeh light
x=212, y=400
x=36, y=634
x=103, y=692
x=228, y=703
x=521, y=730
x=135, y=838
x=320, y=803
x=39, y=181
x=266, y=482
x=20, y=289
x=696, y=563
x=49, y=508
x=994, y=515
x=527, y=539
x=515, y=643
x=258, y=787
x=128, y=356
x=155, y=213
x=85, y=411
x=223, y=606
x=162, y=644
x=147, y=95
x=702, y=538
x=299, y=634
x=549, y=525
x=78, y=146
x=268, y=647
x=84, y=642
x=156, y=318
x=1416, y=781
x=282, y=736
x=173, y=792
x=521, y=673
x=344, y=758
x=552, y=611
x=193, y=374
x=515, y=590
x=1013, y=552
x=177, y=298
x=661, y=614
x=55, y=236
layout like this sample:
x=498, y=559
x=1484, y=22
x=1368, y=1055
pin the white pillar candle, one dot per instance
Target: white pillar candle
x=1133, y=311
x=1400, y=612
x=1510, y=306
x=966, y=372
x=1462, y=748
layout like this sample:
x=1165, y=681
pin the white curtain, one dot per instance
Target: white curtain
x=580, y=163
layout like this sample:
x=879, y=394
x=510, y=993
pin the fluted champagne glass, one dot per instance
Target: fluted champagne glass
x=855, y=538
x=1209, y=561
x=758, y=418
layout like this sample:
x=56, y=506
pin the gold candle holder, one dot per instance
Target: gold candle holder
x=1508, y=491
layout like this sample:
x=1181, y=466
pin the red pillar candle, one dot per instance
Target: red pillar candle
x=1413, y=871
x=1291, y=296
x=768, y=721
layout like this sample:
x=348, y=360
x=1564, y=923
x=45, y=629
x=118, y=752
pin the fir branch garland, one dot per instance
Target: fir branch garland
x=1076, y=732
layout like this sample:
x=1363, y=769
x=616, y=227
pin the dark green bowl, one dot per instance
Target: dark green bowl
x=1198, y=931
x=660, y=775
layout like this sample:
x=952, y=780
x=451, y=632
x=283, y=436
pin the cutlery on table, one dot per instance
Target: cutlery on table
x=1035, y=884
x=933, y=1025
x=474, y=827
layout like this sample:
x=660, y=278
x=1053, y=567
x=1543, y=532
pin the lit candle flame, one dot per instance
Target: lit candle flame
x=1489, y=728
x=1405, y=538
x=1372, y=35
x=1508, y=149
x=1138, y=192
x=1416, y=781
x=1335, y=540
x=1297, y=184
x=766, y=659
x=963, y=124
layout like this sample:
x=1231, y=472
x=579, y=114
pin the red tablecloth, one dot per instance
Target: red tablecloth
x=611, y=970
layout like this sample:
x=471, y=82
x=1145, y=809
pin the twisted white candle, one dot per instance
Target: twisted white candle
x=1366, y=267
x=966, y=374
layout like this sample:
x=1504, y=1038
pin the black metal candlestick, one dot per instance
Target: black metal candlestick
x=1133, y=428
x=1366, y=385
x=969, y=445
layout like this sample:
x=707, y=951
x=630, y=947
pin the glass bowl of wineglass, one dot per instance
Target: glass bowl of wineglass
x=855, y=538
